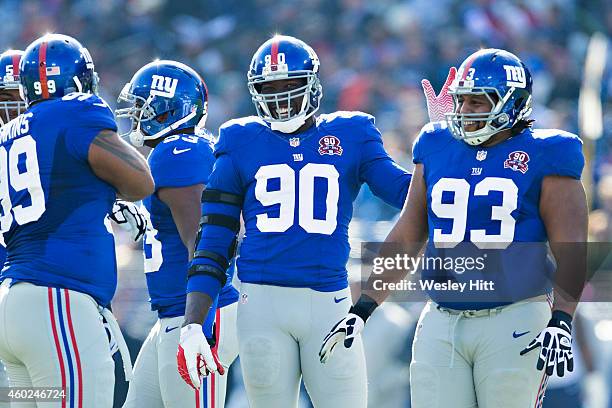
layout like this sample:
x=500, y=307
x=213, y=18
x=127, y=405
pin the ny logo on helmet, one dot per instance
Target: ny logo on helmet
x=163, y=86
x=515, y=76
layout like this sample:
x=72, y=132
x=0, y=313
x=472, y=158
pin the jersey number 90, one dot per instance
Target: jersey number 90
x=24, y=177
x=287, y=198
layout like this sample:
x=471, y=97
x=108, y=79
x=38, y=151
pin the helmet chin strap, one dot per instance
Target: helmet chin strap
x=78, y=84
x=479, y=136
x=482, y=135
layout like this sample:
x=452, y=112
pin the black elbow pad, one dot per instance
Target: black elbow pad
x=208, y=270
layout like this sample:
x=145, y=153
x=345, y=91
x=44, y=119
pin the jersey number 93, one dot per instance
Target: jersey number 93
x=458, y=212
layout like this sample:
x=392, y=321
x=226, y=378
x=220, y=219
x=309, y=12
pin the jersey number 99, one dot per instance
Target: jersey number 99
x=50, y=86
x=28, y=179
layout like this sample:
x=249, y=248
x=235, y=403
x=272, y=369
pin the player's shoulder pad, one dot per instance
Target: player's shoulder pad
x=354, y=125
x=561, y=150
x=344, y=119
x=81, y=108
x=433, y=137
x=550, y=137
x=83, y=100
x=181, y=146
x=236, y=133
x=206, y=134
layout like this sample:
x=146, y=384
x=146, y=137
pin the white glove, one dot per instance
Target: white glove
x=195, y=357
x=555, y=343
x=129, y=218
x=438, y=106
x=346, y=330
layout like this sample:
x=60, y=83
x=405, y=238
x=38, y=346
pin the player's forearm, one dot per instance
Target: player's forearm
x=564, y=210
x=188, y=237
x=406, y=238
x=391, y=247
x=198, y=305
x=371, y=298
x=184, y=203
x=389, y=182
x=120, y=165
x=570, y=276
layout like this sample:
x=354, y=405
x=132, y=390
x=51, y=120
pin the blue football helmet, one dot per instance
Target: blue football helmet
x=504, y=79
x=283, y=57
x=9, y=81
x=55, y=65
x=164, y=96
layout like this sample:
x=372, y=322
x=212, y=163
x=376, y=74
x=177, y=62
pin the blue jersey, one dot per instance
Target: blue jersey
x=178, y=161
x=483, y=204
x=53, y=205
x=298, y=191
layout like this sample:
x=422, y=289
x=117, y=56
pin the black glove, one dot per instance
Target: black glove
x=555, y=343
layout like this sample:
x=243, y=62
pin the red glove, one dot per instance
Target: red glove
x=438, y=106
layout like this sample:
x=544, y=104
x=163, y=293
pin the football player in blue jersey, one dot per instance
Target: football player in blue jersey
x=488, y=185
x=63, y=164
x=11, y=104
x=168, y=106
x=294, y=177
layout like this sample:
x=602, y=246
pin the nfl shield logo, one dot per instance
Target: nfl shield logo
x=481, y=155
x=294, y=142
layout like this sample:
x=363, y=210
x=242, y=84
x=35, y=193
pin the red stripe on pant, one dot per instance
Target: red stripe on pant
x=57, y=345
x=211, y=395
x=216, y=348
x=212, y=391
x=75, y=348
x=541, y=391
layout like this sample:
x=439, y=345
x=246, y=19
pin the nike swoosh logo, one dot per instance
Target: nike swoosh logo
x=169, y=329
x=179, y=151
x=339, y=300
x=517, y=335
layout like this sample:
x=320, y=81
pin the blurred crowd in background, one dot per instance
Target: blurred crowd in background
x=373, y=56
